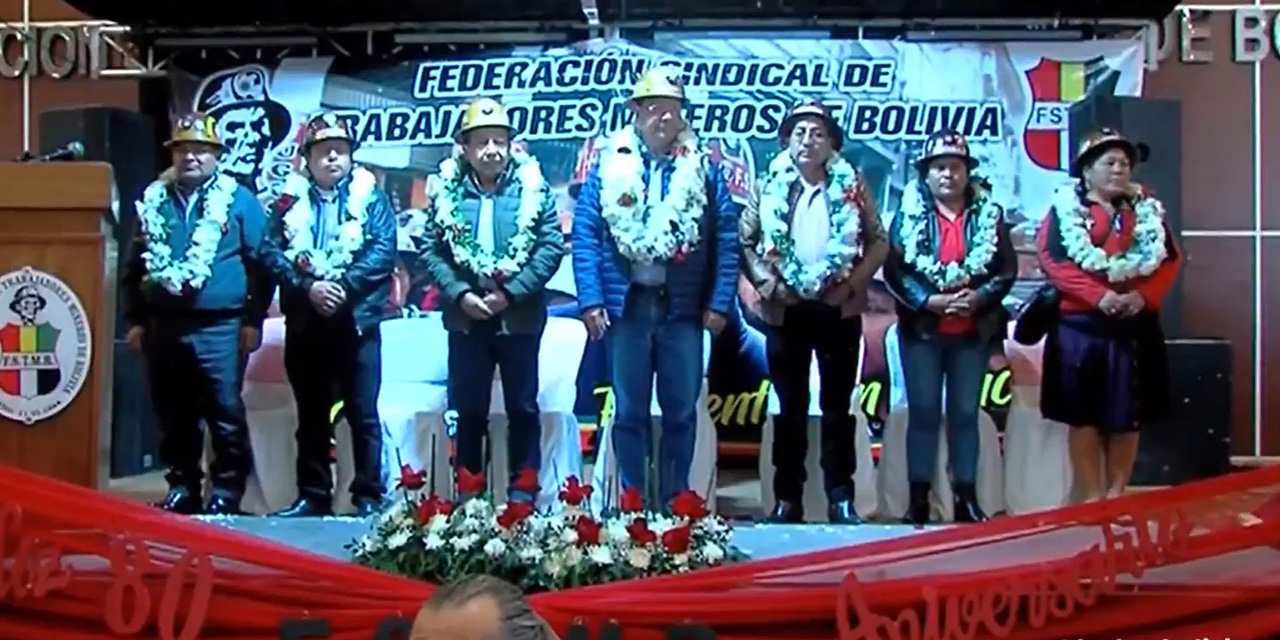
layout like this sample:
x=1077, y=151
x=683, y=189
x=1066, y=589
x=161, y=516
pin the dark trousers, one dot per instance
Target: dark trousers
x=473, y=355
x=196, y=372
x=957, y=364
x=807, y=328
x=328, y=360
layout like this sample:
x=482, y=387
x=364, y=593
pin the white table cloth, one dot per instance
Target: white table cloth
x=865, y=500
x=1037, y=463
x=894, y=487
x=412, y=406
x=702, y=474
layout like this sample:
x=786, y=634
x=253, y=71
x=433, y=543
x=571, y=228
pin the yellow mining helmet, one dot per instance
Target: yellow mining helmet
x=484, y=112
x=659, y=82
x=195, y=127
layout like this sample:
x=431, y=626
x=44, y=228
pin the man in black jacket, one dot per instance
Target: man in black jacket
x=196, y=295
x=333, y=249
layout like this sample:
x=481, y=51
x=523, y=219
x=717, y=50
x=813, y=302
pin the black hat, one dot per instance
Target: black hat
x=814, y=109
x=1095, y=143
x=945, y=144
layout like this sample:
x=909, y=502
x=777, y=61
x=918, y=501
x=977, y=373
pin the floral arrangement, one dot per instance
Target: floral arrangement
x=917, y=210
x=847, y=196
x=425, y=537
x=1142, y=258
x=299, y=217
x=671, y=231
x=456, y=231
x=196, y=266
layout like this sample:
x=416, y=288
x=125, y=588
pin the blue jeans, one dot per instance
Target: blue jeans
x=473, y=355
x=959, y=363
x=643, y=343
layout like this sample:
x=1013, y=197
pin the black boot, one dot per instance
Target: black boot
x=306, y=508
x=918, y=509
x=842, y=512
x=224, y=506
x=967, y=509
x=786, y=512
x=183, y=501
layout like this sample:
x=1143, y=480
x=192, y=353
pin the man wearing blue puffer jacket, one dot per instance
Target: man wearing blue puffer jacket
x=655, y=258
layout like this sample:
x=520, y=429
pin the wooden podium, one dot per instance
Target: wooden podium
x=57, y=260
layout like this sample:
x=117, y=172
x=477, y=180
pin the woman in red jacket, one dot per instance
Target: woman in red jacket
x=1107, y=249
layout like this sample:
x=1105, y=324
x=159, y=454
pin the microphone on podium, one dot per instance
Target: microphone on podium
x=70, y=151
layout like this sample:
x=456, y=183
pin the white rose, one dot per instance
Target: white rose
x=462, y=543
x=530, y=554
x=433, y=541
x=639, y=557
x=438, y=523
x=600, y=554
x=495, y=547
x=569, y=536
x=712, y=552
x=398, y=539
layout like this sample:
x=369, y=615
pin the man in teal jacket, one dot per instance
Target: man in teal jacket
x=196, y=294
x=492, y=243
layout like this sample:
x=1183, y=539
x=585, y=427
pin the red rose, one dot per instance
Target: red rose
x=514, y=514
x=676, y=540
x=626, y=200
x=574, y=492
x=680, y=255
x=410, y=479
x=431, y=507
x=688, y=504
x=303, y=262
x=470, y=484
x=632, y=501
x=526, y=482
x=640, y=533
x=588, y=531
x=285, y=202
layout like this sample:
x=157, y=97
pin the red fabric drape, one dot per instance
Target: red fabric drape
x=1201, y=560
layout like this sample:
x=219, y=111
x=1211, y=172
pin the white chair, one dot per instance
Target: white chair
x=702, y=474
x=815, y=499
x=1037, y=463
x=894, y=484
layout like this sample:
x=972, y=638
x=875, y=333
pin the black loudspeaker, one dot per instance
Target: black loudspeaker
x=127, y=141
x=1194, y=442
x=1157, y=124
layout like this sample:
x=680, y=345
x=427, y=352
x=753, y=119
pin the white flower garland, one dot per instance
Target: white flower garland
x=1143, y=257
x=197, y=263
x=917, y=212
x=299, y=219
x=457, y=232
x=844, y=242
x=672, y=228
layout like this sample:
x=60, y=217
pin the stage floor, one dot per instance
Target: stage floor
x=329, y=536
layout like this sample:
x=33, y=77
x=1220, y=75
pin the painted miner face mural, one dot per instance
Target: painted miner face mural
x=255, y=128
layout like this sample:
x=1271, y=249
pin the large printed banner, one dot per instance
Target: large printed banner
x=1011, y=99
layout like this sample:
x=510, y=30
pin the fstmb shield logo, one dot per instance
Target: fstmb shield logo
x=1055, y=86
x=45, y=343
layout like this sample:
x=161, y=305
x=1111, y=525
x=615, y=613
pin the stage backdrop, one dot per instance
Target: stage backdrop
x=1011, y=99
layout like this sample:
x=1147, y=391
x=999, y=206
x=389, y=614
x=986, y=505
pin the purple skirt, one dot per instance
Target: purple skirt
x=1103, y=372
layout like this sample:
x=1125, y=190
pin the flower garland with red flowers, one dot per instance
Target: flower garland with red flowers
x=423, y=536
x=846, y=195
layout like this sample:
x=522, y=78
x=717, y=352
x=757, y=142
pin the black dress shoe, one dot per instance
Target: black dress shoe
x=842, y=512
x=918, y=511
x=223, y=506
x=305, y=508
x=786, y=512
x=367, y=507
x=967, y=508
x=181, y=501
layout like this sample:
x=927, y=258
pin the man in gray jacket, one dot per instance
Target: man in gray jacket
x=492, y=242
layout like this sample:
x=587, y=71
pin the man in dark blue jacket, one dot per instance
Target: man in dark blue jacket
x=332, y=247
x=493, y=242
x=655, y=258
x=196, y=295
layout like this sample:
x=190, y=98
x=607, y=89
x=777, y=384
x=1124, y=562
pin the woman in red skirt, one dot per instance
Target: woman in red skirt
x=1107, y=249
